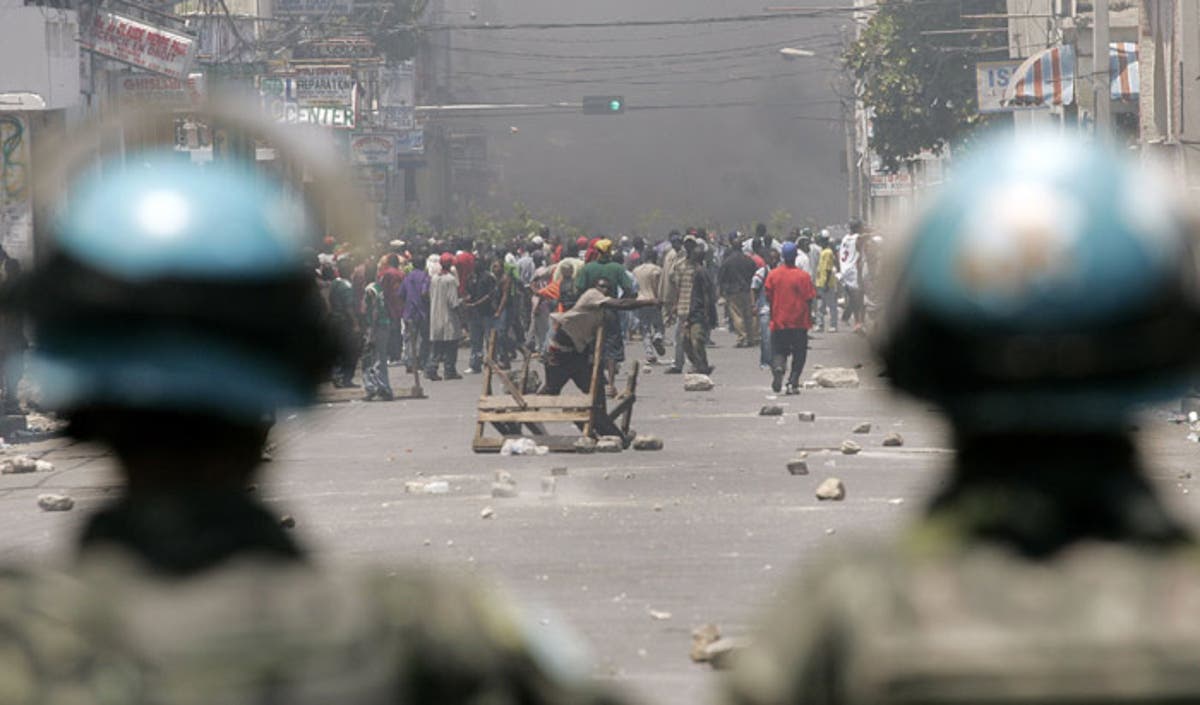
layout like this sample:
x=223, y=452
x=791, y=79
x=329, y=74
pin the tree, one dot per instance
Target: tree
x=920, y=87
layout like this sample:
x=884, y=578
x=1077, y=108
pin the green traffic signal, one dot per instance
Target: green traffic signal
x=603, y=105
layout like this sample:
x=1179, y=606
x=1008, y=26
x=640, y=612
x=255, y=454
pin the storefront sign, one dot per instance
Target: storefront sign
x=324, y=85
x=161, y=90
x=141, y=45
x=335, y=49
x=373, y=149
x=410, y=142
x=314, y=7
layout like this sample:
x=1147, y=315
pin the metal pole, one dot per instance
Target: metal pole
x=852, y=177
x=1100, y=78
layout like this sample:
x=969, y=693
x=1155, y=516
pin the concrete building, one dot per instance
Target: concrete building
x=1169, y=47
x=39, y=86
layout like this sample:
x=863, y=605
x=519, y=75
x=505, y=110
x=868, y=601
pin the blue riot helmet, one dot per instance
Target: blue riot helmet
x=174, y=286
x=1052, y=285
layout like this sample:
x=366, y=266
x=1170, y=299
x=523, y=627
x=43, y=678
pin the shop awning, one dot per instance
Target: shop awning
x=1048, y=77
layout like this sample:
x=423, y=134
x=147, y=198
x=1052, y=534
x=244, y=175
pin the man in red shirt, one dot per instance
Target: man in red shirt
x=790, y=291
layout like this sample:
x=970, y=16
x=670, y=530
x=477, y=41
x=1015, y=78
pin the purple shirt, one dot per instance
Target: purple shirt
x=415, y=292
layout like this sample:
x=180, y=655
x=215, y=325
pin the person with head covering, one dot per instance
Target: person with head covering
x=445, y=326
x=603, y=267
x=570, y=354
x=1047, y=567
x=171, y=334
x=480, y=307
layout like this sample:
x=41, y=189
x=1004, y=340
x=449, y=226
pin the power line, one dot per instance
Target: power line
x=797, y=14
x=638, y=70
x=572, y=109
x=623, y=57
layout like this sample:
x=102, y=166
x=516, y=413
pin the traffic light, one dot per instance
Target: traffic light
x=603, y=104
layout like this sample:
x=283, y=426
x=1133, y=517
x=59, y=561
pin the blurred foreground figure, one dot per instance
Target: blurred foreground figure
x=1050, y=290
x=174, y=315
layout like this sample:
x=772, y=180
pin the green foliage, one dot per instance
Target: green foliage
x=780, y=223
x=495, y=228
x=920, y=87
x=417, y=224
x=396, y=35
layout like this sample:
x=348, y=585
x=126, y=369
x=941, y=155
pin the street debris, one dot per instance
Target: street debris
x=896, y=501
x=864, y=427
x=522, y=446
x=719, y=654
x=702, y=637
x=797, y=467
x=659, y=615
x=505, y=486
x=609, y=444
x=893, y=440
x=807, y=416
x=771, y=410
x=287, y=521
x=40, y=423
x=658, y=507
x=831, y=489
x=697, y=383
x=487, y=513
x=560, y=471
x=19, y=464
x=850, y=448
x=647, y=443
x=836, y=378
x=427, y=487
x=55, y=502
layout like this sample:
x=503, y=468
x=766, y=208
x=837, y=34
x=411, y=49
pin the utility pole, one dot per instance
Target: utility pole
x=853, y=176
x=1102, y=100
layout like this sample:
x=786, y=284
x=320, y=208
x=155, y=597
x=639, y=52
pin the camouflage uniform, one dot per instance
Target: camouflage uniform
x=261, y=626
x=1004, y=592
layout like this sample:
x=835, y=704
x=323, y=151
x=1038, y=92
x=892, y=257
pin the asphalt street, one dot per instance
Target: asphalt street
x=632, y=550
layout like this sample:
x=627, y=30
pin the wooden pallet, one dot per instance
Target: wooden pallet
x=516, y=414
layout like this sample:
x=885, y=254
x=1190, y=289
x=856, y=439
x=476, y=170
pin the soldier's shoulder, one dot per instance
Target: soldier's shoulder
x=354, y=631
x=967, y=616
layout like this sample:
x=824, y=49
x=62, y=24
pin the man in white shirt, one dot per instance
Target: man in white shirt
x=851, y=262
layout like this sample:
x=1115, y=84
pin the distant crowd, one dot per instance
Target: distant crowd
x=416, y=302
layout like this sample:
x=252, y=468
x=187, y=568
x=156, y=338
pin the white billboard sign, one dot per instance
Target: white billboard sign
x=138, y=44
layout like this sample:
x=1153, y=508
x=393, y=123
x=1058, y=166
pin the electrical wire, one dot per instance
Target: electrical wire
x=625, y=57
x=729, y=19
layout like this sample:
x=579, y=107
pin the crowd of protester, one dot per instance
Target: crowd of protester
x=423, y=302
